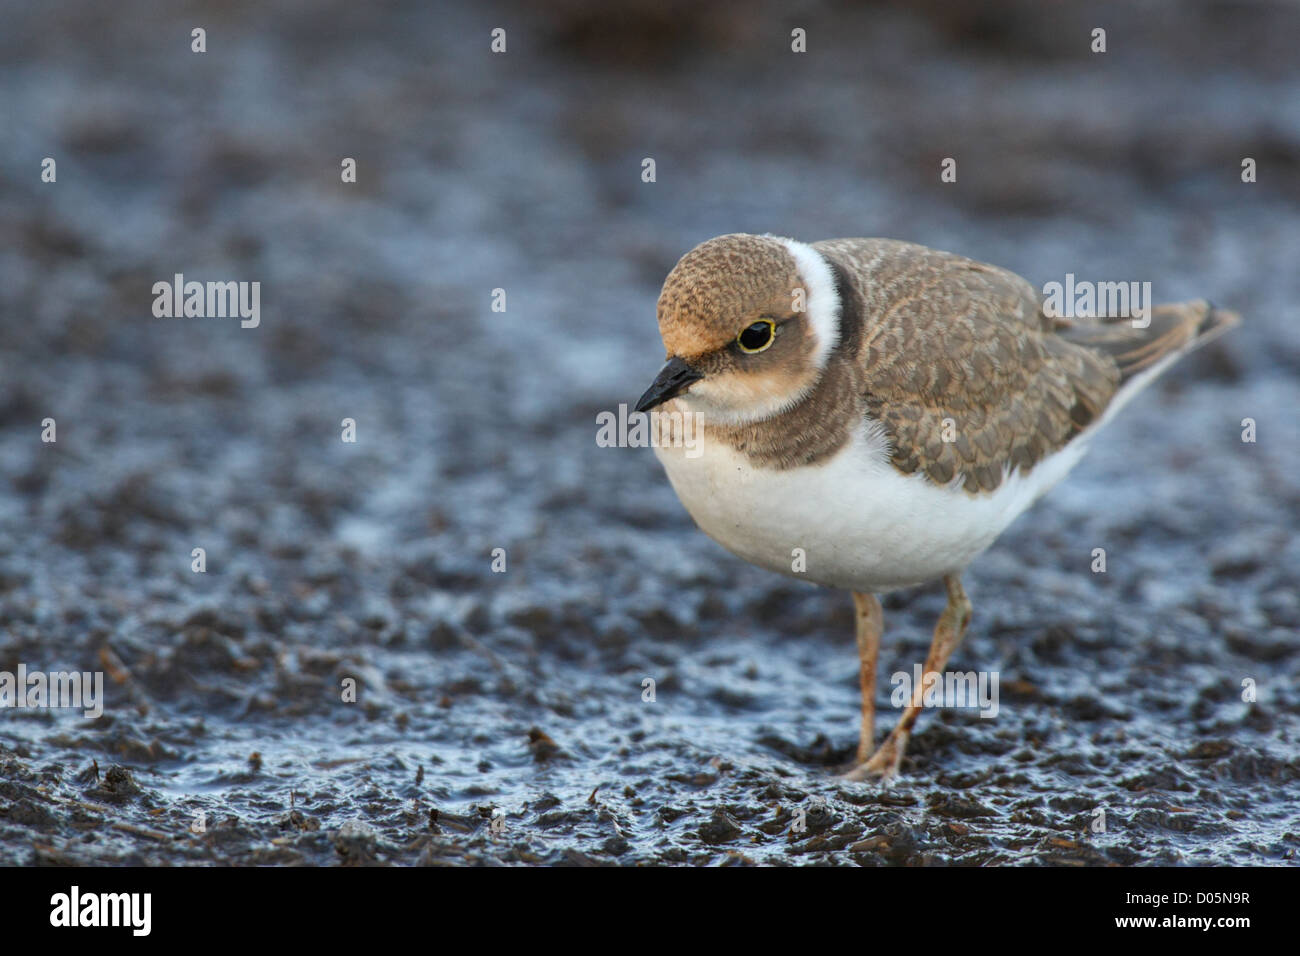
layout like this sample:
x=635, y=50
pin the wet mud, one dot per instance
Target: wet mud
x=350, y=682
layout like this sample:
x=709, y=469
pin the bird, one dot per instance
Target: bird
x=871, y=414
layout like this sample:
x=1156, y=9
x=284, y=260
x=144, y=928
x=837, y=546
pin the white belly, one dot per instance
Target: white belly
x=860, y=523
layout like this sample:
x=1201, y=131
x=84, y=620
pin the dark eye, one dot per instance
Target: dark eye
x=757, y=337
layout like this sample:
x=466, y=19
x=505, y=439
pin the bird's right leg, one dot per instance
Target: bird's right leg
x=947, y=635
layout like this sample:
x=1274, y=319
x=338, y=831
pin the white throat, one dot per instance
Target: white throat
x=822, y=310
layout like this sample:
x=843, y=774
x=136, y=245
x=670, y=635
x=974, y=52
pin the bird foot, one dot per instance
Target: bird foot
x=883, y=765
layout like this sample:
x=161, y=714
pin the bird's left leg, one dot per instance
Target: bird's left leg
x=947, y=635
x=870, y=624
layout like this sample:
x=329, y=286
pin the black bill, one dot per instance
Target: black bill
x=675, y=378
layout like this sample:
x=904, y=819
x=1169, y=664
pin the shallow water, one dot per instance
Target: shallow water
x=499, y=716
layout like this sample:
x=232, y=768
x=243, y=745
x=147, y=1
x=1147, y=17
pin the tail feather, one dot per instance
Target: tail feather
x=1173, y=330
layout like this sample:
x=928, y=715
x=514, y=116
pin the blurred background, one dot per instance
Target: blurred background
x=521, y=691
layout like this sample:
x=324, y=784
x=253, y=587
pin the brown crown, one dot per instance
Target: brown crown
x=719, y=287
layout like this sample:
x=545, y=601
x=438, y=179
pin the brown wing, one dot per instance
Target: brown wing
x=1172, y=328
x=960, y=365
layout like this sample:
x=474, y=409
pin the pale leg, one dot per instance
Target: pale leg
x=947, y=635
x=870, y=624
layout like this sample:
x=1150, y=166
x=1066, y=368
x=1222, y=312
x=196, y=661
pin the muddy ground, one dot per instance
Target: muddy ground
x=499, y=716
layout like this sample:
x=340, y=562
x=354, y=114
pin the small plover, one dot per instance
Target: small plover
x=872, y=414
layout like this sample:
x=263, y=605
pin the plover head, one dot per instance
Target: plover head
x=748, y=323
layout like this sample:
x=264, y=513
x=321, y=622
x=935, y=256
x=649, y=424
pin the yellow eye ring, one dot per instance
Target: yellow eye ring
x=757, y=337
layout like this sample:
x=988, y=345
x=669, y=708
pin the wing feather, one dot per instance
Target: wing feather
x=961, y=367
